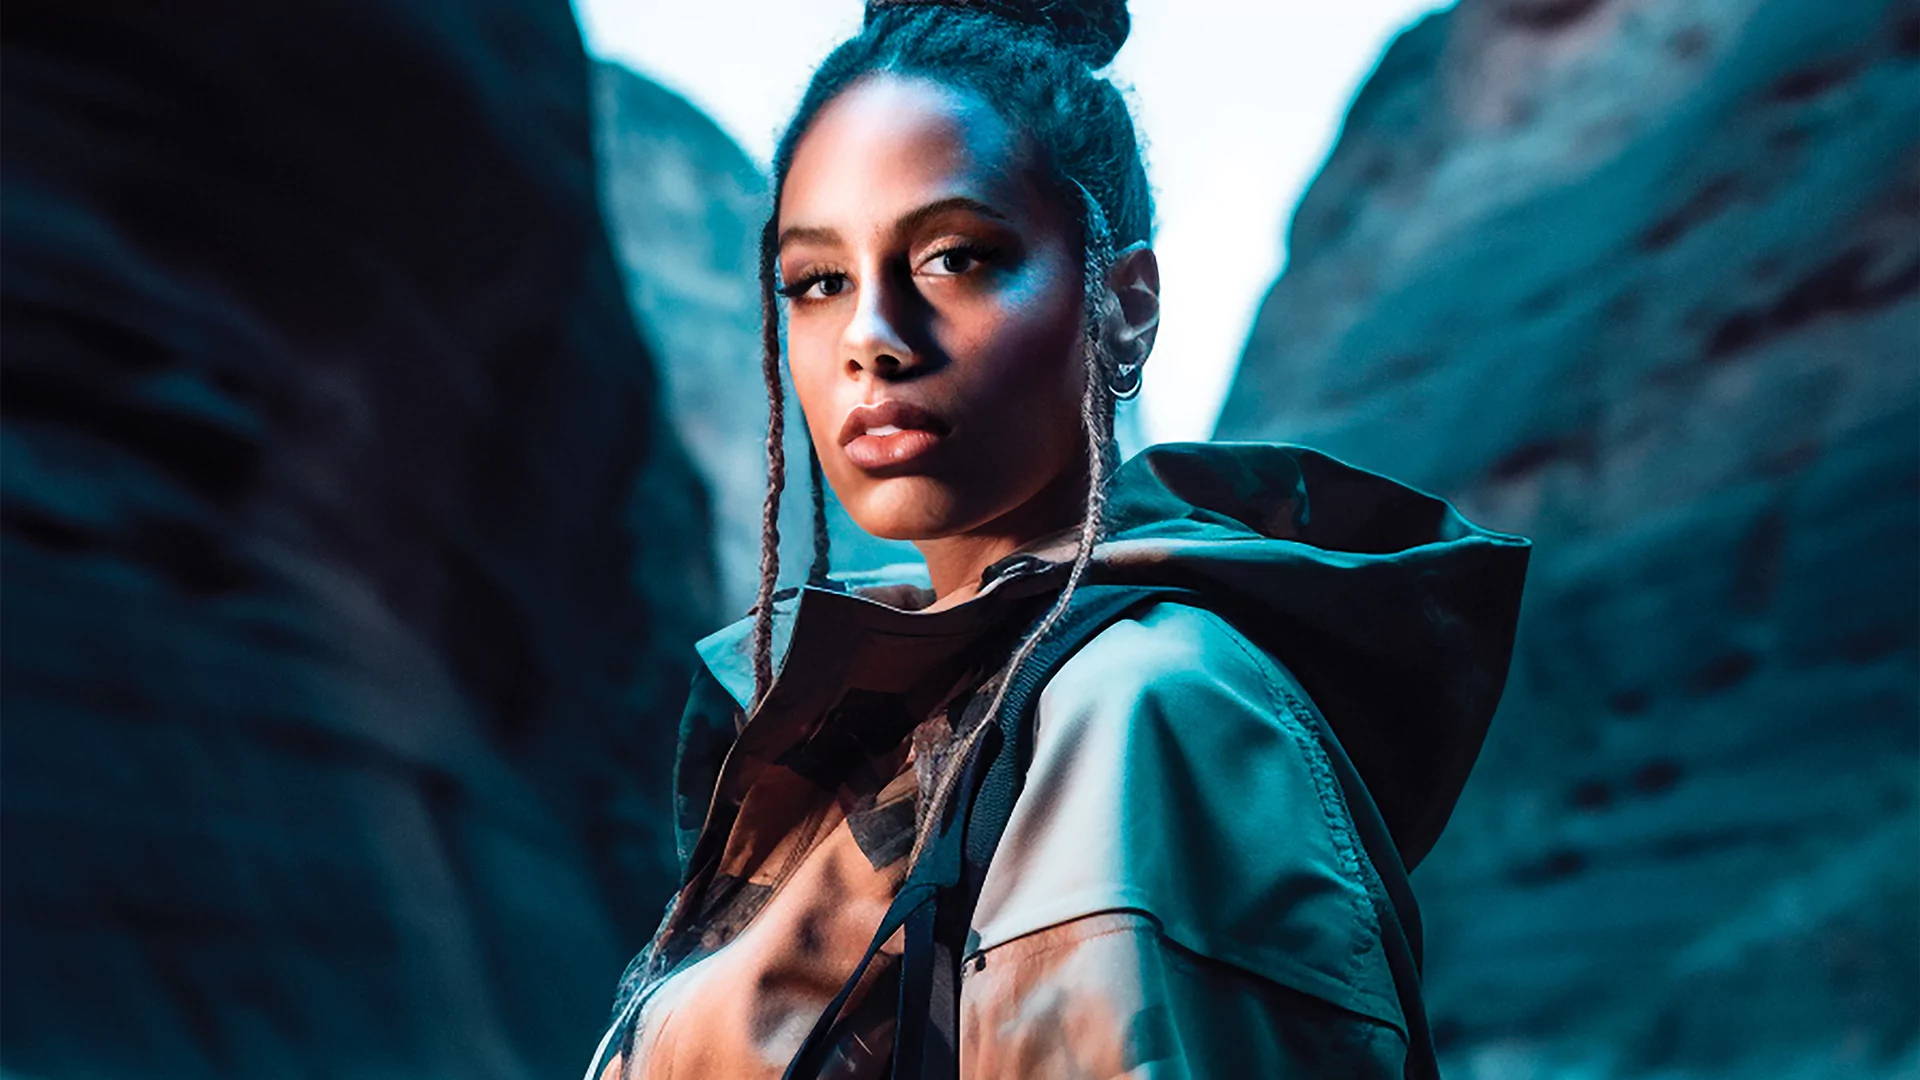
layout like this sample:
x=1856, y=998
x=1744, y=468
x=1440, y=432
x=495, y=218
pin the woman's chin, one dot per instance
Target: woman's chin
x=908, y=508
x=907, y=528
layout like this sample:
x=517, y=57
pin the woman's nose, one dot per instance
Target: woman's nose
x=872, y=341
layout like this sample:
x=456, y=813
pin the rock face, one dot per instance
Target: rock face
x=686, y=206
x=1641, y=279
x=349, y=565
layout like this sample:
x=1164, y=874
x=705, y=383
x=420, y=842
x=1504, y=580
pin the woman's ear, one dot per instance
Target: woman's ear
x=1135, y=278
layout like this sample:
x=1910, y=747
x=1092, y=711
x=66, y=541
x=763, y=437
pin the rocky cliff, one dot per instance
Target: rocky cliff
x=1641, y=279
x=349, y=565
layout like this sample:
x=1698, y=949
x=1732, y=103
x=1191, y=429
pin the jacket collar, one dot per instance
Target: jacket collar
x=869, y=630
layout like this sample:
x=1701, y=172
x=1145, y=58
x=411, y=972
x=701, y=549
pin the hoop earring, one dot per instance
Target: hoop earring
x=1124, y=385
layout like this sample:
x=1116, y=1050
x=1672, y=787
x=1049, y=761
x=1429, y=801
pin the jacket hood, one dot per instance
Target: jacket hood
x=1395, y=613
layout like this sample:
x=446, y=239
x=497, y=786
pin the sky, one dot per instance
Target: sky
x=1239, y=102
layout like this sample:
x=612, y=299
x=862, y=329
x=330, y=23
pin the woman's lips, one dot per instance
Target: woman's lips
x=890, y=434
x=884, y=451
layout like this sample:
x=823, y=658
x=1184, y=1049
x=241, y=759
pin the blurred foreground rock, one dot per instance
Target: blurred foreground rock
x=1642, y=280
x=349, y=567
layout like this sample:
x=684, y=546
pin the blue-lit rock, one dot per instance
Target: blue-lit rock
x=1642, y=281
x=349, y=566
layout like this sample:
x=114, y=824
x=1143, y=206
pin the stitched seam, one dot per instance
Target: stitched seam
x=1333, y=807
x=1176, y=955
x=1142, y=922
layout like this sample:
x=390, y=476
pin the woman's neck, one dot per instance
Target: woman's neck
x=955, y=563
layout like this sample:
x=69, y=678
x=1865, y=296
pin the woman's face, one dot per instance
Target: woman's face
x=934, y=318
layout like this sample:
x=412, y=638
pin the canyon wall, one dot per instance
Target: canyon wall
x=350, y=559
x=1640, y=279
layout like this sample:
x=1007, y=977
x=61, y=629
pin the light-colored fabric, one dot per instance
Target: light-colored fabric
x=1156, y=742
x=1109, y=996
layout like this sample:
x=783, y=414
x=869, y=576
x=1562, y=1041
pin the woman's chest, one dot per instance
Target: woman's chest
x=814, y=859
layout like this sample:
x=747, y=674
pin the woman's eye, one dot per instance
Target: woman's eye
x=956, y=261
x=821, y=286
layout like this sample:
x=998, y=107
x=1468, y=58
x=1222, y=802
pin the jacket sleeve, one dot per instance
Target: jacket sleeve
x=1108, y=996
x=1180, y=891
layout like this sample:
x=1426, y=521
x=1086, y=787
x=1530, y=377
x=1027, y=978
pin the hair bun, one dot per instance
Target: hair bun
x=1093, y=29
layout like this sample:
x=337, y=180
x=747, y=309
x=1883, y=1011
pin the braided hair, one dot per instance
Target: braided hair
x=1035, y=61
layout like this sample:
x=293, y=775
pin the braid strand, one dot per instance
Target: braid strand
x=822, y=543
x=776, y=469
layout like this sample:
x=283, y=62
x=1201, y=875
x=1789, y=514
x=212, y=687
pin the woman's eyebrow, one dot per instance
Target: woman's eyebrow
x=807, y=234
x=907, y=223
x=915, y=218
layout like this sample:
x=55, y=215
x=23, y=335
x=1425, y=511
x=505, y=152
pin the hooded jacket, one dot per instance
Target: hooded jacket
x=1180, y=891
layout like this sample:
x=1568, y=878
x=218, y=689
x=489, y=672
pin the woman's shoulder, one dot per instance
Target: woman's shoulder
x=1177, y=686
x=1168, y=651
x=1176, y=772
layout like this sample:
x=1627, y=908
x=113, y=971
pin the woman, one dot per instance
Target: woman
x=1196, y=879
